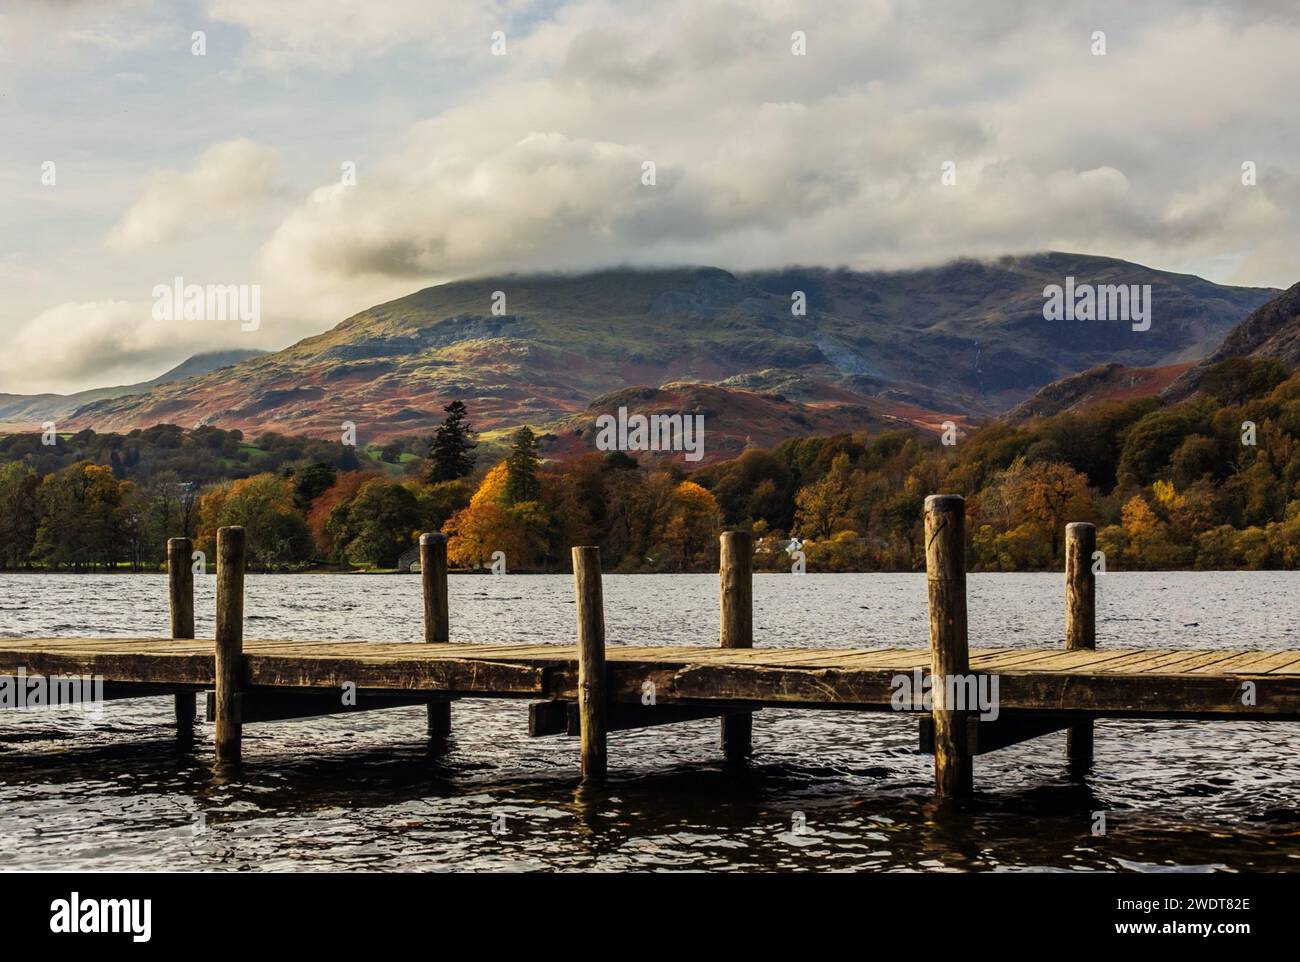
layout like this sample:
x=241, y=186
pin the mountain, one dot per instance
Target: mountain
x=1105, y=382
x=735, y=418
x=1271, y=330
x=963, y=341
x=22, y=411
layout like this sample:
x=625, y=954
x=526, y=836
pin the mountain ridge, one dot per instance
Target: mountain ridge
x=22, y=408
x=966, y=339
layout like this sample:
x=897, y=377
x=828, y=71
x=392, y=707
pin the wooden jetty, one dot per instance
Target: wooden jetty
x=588, y=689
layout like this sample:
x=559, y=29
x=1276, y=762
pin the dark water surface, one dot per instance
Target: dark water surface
x=364, y=792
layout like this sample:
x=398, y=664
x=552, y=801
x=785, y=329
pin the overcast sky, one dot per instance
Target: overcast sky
x=227, y=167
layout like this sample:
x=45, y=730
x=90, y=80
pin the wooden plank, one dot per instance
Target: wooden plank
x=1066, y=660
x=1255, y=662
x=1160, y=661
x=1014, y=659
x=1205, y=663
x=813, y=658
x=453, y=675
x=1149, y=694
x=624, y=716
x=263, y=705
x=983, y=737
x=1290, y=667
x=141, y=668
x=548, y=718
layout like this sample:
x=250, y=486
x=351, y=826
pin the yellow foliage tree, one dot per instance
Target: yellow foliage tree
x=693, y=527
x=492, y=489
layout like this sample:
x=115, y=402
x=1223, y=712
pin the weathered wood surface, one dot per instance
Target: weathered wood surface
x=945, y=572
x=1008, y=729
x=228, y=658
x=1080, y=624
x=433, y=579
x=592, y=677
x=180, y=597
x=277, y=704
x=437, y=615
x=736, y=628
x=562, y=717
x=1116, y=681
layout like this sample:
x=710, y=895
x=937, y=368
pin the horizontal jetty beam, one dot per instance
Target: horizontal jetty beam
x=562, y=718
x=983, y=737
x=277, y=704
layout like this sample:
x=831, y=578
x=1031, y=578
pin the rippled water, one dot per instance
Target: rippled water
x=365, y=791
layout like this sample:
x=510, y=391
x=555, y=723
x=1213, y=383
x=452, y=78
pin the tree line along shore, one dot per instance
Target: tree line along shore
x=1212, y=482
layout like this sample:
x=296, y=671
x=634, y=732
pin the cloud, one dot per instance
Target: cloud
x=45, y=32
x=765, y=158
x=473, y=164
x=286, y=34
x=97, y=343
x=231, y=180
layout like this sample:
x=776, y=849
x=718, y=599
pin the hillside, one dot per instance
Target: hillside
x=1105, y=382
x=22, y=411
x=736, y=419
x=967, y=339
x=1271, y=330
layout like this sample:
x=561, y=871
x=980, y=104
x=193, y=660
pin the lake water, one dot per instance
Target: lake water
x=365, y=792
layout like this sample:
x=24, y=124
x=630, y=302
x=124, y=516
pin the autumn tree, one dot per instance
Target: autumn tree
x=343, y=489
x=274, y=531
x=826, y=506
x=82, y=517
x=1045, y=495
x=1146, y=535
x=692, y=528
x=377, y=524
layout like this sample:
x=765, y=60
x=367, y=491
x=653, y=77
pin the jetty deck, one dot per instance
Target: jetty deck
x=968, y=701
x=1120, y=682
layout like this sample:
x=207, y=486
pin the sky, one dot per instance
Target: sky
x=512, y=136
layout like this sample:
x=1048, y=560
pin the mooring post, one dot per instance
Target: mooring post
x=736, y=573
x=230, y=642
x=945, y=567
x=437, y=623
x=591, y=661
x=180, y=595
x=1080, y=623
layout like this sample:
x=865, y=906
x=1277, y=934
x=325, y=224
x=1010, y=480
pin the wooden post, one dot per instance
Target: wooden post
x=433, y=576
x=945, y=567
x=736, y=573
x=591, y=661
x=437, y=623
x=1080, y=624
x=230, y=642
x=180, y=594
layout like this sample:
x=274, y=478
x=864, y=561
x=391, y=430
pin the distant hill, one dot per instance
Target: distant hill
x=1271, y=330
x=963, y=341
x=1105, y=382
x=22, y=411
x=735, y=419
